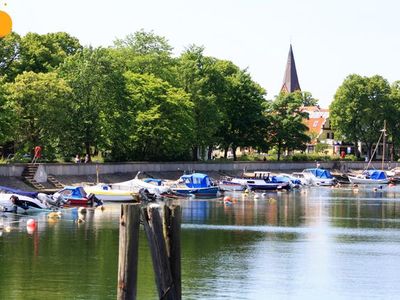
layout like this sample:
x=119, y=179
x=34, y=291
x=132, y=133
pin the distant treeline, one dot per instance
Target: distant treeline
x=136, y=101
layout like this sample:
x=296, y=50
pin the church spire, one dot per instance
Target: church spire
x=290, y=80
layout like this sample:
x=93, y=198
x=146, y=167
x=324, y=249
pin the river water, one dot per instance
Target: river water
x=315, y=243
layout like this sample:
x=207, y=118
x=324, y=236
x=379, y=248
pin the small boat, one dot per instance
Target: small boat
x=228, y=185
x=370, y=177
x=15, y=202
x=262, y=180
x=197, y=184
x=106, y=193
x=76, y=195
x=319, y=177
x=154, y=186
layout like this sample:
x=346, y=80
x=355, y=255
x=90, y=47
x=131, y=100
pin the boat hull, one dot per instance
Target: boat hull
x=231, y=186
x=198, y=192
x=360, y=180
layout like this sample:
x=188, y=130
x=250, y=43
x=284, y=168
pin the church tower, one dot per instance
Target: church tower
x=290, y=80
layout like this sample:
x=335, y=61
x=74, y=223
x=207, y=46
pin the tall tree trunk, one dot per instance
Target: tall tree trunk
x=209, y=154
x=279, y=150
x=234, y=152
x=356, y=150
x=226, y=152
x=194, y=153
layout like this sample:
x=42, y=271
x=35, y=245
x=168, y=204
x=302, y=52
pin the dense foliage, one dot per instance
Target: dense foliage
x=360, y=107
x=135, y=101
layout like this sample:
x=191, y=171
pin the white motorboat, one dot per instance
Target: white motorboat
x=134, y=185
x=319, y=177
x=106, y=193
x=370, y=177
x=19, y=203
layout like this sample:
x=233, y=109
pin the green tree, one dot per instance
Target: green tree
x=145, y=53
x=243, y=122
x=97, y=101
x=359, y=109
x=287, y=130
x=6, y=117
x=159, y=117
x=194, y=71
x=43, y=53
x=9, y=55
x=37, y=101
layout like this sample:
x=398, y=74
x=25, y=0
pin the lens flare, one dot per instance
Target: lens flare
x=5, y=24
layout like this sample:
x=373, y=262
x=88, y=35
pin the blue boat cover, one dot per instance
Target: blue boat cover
x=196, y=180
x=19, y=192
x=321, y=173
x=76, y=191
x=150, y=180
x=376, y=174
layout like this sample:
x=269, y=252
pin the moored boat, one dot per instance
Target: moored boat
x=319, y=177
x=76, y=195
x=15, y=202
x=106, y=193
x=262, y=180
x=197, y=184
x=370, y=177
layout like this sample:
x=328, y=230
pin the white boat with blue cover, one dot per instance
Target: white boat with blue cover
x=319, y=177
x=370, y=177
x=197, y=184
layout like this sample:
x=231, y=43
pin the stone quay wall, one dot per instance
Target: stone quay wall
x=69, y=169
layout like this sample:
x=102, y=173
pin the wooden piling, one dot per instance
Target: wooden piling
x=128, y=251
x=163, y=234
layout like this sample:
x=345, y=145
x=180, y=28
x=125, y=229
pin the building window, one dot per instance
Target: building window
x=327, y=135
x=332, y=136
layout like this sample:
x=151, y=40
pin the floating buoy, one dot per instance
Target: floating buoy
x=375, y=189
x=30, y=226
x=54, y=215
x=264, y=194
x=102, y=208
x=256, y=196
x=355, y=191
x=31, y=223
x=7, y=229
x=271, y=200
x=246, y=191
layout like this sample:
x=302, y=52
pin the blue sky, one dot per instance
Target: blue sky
x=331, y=39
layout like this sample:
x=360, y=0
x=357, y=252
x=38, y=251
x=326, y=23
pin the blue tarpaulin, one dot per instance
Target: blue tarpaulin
x=376, y=174
x=321, y=173
x=196, y=180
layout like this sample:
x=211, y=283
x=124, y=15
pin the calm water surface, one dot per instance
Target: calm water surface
x=316, y=243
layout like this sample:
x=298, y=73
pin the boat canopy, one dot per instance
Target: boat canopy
x=153, y=180
x=19, y=192
x=73, y=192
x=196, y=180
x=376, y=174
x=320, y=173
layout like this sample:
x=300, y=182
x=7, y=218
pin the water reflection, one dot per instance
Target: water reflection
x=312, y=243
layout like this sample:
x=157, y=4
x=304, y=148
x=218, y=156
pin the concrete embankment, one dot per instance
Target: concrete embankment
x=10, y=174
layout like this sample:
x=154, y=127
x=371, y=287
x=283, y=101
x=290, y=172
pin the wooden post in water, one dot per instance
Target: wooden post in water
x=128, y=251
x=163, y=234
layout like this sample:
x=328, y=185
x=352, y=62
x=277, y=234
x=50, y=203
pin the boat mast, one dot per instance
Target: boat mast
x=384, y=142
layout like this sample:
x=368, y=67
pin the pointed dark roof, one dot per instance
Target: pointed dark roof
x=290, y=80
